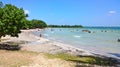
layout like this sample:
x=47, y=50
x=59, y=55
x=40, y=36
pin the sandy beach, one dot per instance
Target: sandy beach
x=34, y=43
x=40, y=44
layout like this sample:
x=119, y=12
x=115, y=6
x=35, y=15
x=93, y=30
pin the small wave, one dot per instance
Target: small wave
x=77, y=36
x=52, y=32
x=45, y=34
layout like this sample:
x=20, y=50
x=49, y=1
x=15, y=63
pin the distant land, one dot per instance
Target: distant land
x=65, y=26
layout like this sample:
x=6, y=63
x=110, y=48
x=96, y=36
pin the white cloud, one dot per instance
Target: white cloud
x=27, y=11
x=112, y=12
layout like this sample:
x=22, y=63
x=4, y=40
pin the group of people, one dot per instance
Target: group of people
x=83, y=31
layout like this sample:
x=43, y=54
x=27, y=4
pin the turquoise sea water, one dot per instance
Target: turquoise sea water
x=101, y=40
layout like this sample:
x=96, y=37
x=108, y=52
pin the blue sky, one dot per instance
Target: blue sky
x=71, y=12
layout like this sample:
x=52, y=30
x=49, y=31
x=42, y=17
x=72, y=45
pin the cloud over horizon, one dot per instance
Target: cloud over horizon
x=27, y=11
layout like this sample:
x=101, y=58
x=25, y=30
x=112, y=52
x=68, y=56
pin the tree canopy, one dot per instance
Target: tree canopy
x=30, y=24
x=38, y=23
x=13, y=19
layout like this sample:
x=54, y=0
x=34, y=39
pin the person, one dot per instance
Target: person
x=118, y=40
x=40, y=35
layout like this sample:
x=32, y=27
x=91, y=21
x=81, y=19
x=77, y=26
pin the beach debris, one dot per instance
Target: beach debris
x=6, y=46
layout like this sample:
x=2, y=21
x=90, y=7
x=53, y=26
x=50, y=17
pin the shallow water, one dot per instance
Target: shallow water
x=101, y=40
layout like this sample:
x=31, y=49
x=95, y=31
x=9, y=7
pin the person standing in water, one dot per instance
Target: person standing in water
x=118, y=40
x=40, y=35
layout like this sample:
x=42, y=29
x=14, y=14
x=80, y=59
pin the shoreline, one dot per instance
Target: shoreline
x=40, y=44
x=53, y=47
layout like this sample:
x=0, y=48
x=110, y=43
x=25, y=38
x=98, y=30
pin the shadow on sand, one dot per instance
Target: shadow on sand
x=9, y=46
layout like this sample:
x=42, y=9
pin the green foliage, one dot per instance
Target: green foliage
x=27, y=24
x=11, y=20
x=34, y=24
x=38, y=23
x=26, y=15
x=1, y=4
x=65, y=26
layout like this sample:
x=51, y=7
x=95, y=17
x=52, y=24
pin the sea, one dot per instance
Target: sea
x=98, y=40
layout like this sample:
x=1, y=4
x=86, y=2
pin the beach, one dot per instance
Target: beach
x=33, y=42
x=40, y=44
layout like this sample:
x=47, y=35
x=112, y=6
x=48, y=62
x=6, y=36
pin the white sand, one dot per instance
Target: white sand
x=26, y=35
x=40, y=44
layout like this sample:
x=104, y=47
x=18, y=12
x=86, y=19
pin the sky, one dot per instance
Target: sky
x=72, y=12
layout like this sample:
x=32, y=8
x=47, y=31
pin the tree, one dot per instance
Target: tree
x=11, y=20
x=38, y=23
x=65, y=26
x=34, y=24
x=26, y=15
x=43, y=24
x=27, y=24
x=1, y=4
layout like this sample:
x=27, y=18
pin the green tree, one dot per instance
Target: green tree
x=1, y=4
x=43, y=24
x=27, y=24
x=11, y=20
x=65, y=26
x=38, y=23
